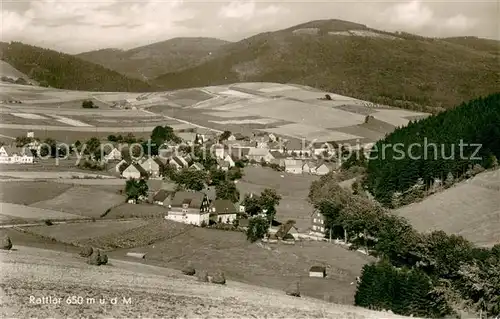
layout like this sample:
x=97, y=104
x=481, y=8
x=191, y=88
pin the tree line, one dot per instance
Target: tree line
x=439, y=156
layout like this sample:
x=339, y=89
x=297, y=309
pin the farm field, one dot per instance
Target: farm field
x=84, y=201
x=34, y=213
x=291, y=111
x=27, y=193
x=293, y=189
x=154, y=292
x=127, y=210
x=49, y=174
x=455, y=210
x=273, y=266
x=67, y=136
x=73, y=233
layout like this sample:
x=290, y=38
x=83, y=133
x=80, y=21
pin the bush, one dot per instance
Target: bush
x=48, y=222
x=219, y=278
x=5, y=243
x=188, y=270
x=86, y=251
x=293, y=290
x=202, y=276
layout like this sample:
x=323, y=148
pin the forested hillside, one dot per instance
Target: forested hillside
x=396, y=166
x=428, y=275
x=150, y=61
x=397, y=69
x=64, y=71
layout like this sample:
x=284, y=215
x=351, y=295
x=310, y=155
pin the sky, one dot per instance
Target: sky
x=75, y=26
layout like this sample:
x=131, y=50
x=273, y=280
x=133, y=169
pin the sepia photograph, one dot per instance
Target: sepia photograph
x=250, y=159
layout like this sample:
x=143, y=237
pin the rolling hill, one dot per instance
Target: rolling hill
x=470, y=209
x=64, y=71
x=351, y=59
x=150, y=61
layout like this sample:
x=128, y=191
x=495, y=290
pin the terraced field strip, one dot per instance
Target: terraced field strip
x=27, y=212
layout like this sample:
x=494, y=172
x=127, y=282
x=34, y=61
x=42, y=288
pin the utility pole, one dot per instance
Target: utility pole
x=330, y=234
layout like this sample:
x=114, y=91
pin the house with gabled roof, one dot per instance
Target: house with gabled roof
x=163, y=198
x=293, y=166
x=135, y=171
x=121, y=166
x=189, y=208
x=210, y=192
x=188, y=137
x=297, y=147
x=114, y=155
x=197, y=166
x=322, y=169
x=223, y=211
x=239, y=153
x=279, y=158
x=15, y=155
x=178, y=162
x=259, y=154
x=152, y=166
x=223, y=165
x=308, y=167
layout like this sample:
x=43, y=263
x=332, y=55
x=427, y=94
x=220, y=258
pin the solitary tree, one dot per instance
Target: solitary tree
x=257, y=229
x=225, y=135
x=136, y=188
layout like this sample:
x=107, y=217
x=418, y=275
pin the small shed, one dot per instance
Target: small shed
x=317, y=271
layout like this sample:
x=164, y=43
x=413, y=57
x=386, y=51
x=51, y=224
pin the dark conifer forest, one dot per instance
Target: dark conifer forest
x=395, y=165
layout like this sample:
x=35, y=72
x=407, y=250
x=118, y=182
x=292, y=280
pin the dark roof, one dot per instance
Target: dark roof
x=224, y=206
x=194, y=199
x=154, y=184
x=278, y=155
x=178, y=161
x=161, y=195
x=123, y=166
x=318, y=269
x=140, y=169
x=237, y=153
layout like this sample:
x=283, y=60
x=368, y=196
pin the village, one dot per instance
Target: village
x=223, y=153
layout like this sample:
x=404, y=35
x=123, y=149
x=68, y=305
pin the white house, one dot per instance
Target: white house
x=189, y=208
x=321, y=169
x=259, y=154
x=134, y=171
x=114, y=155
x=151, y=166
x=306, y=168
x=15, y=155
x=293, y=166
x=223, y=211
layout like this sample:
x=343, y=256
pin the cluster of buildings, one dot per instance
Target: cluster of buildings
x=11, y=154
x=16, y=155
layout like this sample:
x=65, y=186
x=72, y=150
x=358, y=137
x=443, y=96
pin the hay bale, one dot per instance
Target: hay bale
x=103, y=259
x=5, y=243
x=97, y=258
x=202, y=276
x=219, y=278
x=188, y=270
x=293, y=290
x=86, y=252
